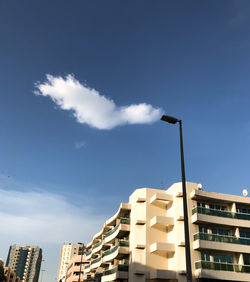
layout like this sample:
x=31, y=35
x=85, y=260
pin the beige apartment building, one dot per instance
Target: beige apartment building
x=76, y=268
x=67, y=252
x=144, y=240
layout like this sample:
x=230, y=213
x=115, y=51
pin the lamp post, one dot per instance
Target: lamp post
x=81, y=248
x=174, y=120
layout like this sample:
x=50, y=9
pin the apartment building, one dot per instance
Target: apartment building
x=76, y=268
x=10, y=275
x=25, y=261
x=144, y=240
x=67, y=252
x=7, y=274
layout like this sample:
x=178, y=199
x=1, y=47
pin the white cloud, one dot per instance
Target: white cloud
x=80, y=144
x=89, y=107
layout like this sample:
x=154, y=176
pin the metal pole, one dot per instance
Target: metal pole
x=185, y=210
x=80, y=265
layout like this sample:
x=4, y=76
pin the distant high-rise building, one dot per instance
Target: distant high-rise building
x=67, y=252
x=25, y=261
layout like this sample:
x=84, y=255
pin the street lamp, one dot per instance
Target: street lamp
x=82, y=249
x=174, y=120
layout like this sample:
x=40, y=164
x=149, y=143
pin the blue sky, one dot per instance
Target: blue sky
x=190, y=59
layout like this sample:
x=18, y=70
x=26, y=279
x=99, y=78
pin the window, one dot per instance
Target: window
x=205, y=257
x=217, y=258
x=217, y=207
x=246, y=259
x=202, y=229
x=243, y=210
x=223, y=258
x=244, y=234
x=202, y=205
x=222, y=232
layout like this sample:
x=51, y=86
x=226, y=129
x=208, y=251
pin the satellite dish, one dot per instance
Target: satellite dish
x=244, y=192
x=199, y=186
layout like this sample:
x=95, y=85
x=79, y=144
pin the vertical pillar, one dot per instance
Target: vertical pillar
x=237, y=232
x=241, y=260
x=233, y=207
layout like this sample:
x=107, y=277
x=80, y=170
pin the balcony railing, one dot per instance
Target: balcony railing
x=124, y=243
x=122, y=221
x=111, y=231
x=98, y=275
x=88, y=253
x=97, y=245
x=96, y=260
x=221, y=238
x=222, y=266
x=120, y=267
x=112, y=250
x=125, y=220
x=87, y=266
x=214, y=212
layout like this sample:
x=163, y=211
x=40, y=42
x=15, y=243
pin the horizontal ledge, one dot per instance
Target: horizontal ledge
x=162, y=248
x=140, y=222
x=140, y=246
x=161, y=197
x=161, y=221
x=141, y=200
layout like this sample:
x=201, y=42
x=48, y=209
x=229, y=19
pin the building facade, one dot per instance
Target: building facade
x=67, y=252
x=7, y=274
x=10, y=275
x=25, y=261
x=75, y=268
x=144, y=240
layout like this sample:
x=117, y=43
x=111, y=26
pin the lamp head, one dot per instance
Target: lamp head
x=169, y=119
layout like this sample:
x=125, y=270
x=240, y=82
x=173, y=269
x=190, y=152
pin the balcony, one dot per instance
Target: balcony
x=118, y=272
x=225, y=271
x=161, y=200
x=222, y=266
x=204, y=215
x=221, y=238
x=96, y=263
x=120, y=229
x=118, y=251
x=88, y=255
x=221, y=242
x=97, y=247
x=162, y=249
x=87, y=268
x=161, y=222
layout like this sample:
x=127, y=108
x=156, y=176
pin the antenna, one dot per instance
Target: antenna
x=244, y=192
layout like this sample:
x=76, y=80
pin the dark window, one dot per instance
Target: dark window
x=246, y=259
